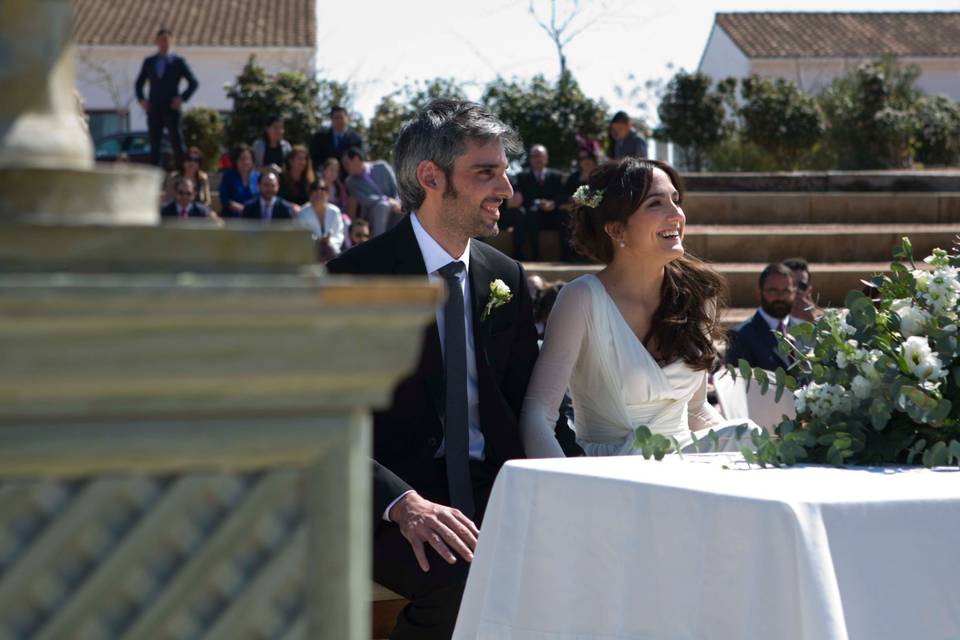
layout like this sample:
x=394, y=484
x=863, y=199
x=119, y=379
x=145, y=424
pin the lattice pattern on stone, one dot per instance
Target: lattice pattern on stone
x=190, y=556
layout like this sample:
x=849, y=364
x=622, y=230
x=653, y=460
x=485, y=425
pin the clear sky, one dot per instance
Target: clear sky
x=381, y=44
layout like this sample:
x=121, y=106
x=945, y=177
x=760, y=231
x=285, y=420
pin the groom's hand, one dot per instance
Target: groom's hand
x=443, y=528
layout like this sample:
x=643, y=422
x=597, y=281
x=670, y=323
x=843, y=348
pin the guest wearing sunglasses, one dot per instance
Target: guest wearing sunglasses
x=804, y=305
x=185, y=206
x=190, y=168
x=323, y=220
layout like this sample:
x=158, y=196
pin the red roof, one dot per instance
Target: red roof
x=211, y=23
x=837, y=35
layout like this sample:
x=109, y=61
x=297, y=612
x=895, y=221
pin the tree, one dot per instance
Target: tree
x=549, y=113
x=399, y=106
x=203, y=128
x=780, y=119
x=693, y=116
x=871, y=115
x=939, y=131
x=563, y=25
x=258, y=95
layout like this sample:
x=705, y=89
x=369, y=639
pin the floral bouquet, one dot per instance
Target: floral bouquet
x=882, y=377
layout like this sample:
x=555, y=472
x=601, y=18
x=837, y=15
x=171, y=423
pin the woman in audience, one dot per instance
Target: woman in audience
x=323, y=220
x=339, y=196
x=588, y=159
x=270, y=151
x=239, y=184
x=297, y=177
x=192, y=162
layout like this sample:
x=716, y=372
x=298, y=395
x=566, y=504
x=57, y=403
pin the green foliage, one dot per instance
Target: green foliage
x=733, y=153
x=693, y=116
x=397, y=107
x=548, y=112
x=871, y=116
x=203, y=128
x=938, y=131
x=780, y=119
x=258, y=95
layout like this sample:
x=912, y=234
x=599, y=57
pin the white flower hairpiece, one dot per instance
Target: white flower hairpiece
x=587, y=197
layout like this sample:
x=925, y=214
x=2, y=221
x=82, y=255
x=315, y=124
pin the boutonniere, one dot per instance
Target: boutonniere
x=500, y=295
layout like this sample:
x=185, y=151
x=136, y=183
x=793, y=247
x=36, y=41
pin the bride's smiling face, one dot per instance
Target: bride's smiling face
x=656, y=228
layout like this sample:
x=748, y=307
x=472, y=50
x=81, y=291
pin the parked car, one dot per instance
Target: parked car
x=133, y=145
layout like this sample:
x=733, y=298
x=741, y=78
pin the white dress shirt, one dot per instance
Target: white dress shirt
x=772, y=322
x=266, y=209
x=435, y=257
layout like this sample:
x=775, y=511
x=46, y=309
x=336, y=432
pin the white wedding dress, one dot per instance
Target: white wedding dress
x=615, y=384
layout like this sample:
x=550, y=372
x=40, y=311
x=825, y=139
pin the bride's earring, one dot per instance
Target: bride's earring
x=622, y=244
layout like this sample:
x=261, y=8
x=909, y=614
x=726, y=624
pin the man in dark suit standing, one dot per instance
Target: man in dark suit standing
x=268, y=206
x=543, y=190
x=754, y=340
x=164, y=71
x=333, y=141
x=453, y=422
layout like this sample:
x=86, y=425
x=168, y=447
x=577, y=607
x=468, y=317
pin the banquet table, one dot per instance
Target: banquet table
x=709, y=547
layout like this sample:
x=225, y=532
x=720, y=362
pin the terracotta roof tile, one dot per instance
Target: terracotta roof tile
x=830, y=35
x=211, y=23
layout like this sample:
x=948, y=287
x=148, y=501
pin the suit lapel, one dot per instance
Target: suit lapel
x=481, y=275
x=769, y=340
x=409, y=262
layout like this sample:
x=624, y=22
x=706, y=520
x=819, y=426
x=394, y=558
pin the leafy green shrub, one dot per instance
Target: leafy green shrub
x=203, y=128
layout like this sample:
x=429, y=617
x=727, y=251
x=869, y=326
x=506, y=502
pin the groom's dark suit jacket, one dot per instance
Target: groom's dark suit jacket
x=409, y=432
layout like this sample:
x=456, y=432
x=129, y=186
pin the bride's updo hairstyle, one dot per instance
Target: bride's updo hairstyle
x=687, y=323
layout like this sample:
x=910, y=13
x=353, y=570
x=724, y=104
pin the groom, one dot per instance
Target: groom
x=453, y=422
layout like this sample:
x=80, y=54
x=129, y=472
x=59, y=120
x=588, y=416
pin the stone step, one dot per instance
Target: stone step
x=771, y=243
x=831, y=280
x=815, y=243
x=821, y=208
x=825, y=181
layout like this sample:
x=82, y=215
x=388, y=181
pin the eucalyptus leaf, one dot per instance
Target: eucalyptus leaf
x=745, y=371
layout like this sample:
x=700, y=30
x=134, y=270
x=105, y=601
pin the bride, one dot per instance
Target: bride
x=633, y=343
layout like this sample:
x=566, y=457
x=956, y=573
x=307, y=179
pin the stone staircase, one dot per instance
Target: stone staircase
x=845, y=236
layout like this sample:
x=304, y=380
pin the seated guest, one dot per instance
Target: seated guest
x=239, y=184
x=184, y=204
x=374, y=185
x=268, y=206
x=624, y=139
x=542, y=190
x=588, y=159
x=804, y=306
x=754, y=340
x=191, y=169
x=297, y=177
x=270, y=150
x=339, y=196
x=358, y=234
x=332, y=141
x=323, y=220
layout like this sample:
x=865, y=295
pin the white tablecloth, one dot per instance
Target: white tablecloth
x=626, y=548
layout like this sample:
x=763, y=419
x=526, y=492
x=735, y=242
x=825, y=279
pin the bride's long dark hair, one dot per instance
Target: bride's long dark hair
x=686, y=325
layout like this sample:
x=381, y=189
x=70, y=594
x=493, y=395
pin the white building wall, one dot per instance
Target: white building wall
x=722, y=58
x=938, y=75
x=106, y=74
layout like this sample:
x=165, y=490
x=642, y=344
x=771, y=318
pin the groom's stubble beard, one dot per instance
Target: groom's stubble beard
x=462, y=217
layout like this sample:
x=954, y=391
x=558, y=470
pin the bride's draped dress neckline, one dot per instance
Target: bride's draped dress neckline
x=616, y=384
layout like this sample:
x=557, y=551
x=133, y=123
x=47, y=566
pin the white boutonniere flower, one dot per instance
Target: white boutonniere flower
x=500, y=295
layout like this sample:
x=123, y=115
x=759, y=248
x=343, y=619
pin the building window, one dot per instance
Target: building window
x=103, y=123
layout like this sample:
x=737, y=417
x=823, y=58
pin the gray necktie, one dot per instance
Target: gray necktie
x=456, y=438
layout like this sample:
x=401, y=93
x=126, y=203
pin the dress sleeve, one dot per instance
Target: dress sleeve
x=564, y=337
x=700, y=413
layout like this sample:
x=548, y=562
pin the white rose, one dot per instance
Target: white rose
x=499, y=288
x=912, y=320
x=921, y=360
x=922, y=278
x=861, y=387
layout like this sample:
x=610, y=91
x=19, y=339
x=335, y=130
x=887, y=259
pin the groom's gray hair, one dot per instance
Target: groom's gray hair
x=438, y=133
